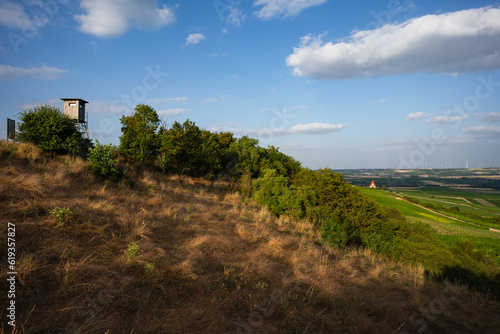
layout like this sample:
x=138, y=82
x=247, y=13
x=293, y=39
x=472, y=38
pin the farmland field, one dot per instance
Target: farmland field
x=386, y=199
x=473, y=221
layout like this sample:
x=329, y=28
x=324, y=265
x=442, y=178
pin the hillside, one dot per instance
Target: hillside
x=160, y=253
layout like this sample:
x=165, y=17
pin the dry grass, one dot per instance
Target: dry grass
x=174, y=254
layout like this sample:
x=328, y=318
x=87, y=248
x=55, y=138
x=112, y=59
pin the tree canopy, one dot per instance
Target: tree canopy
x=48, y=128
x=139, y=138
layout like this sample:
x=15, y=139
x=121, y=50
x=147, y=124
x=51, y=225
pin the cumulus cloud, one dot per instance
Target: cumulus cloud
x=492, y=117
x=415, y=115
x=283, y=8
x=484, y=131
x=12, y=15
x=40, y=73
x=109, y=18
x=194, y=38
x=446, y=119
x=173, y=112
x=457, y=42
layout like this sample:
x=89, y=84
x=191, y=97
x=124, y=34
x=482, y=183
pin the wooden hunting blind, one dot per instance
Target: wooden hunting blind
x=75, y=109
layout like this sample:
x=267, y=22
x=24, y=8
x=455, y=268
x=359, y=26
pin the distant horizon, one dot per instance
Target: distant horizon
x=334, y=84
x=419, y=169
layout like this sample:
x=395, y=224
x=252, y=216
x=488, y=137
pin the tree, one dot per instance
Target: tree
x=139, y=139
x=248, y=154
x=48, y=128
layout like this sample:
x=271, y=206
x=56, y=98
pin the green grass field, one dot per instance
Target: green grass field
x=448, y=230
x=474, y=207
x=386, y=199
x=463, y=226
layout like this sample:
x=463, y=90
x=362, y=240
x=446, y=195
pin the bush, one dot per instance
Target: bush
x=340, y=233
x=103, y=160
x=187, y=149
x=269, y=190
x=48, y=128
x=64, y=216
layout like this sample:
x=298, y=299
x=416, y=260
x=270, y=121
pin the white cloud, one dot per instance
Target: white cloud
x=156, y=102
x=283, y=8
x=446, y=119
x=415, y=115
x=305, y=129
x=40, y=73
x=12, y=15
x=210, y=100
x=316, y=128
x=235, y=17
x=485, y=131
x=173, y=112
x=458, y=42
x=109, y=18
x=194, y=38
x=492, y=117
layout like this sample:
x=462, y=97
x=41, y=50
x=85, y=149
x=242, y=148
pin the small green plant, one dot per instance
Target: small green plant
x=133, y=250
x=261, y=286
x=64, y=216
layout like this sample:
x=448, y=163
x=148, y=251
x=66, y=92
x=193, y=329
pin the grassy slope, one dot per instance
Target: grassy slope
x=467, y=204
x=208, y=263
x=408, y=209
x=448, y=229
x=466, y=199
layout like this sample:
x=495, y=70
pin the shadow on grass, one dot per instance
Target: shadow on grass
x=480, y=282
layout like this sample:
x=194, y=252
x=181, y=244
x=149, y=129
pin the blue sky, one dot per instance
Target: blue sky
x=333, y=83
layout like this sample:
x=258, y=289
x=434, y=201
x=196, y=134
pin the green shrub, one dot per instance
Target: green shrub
x=269, y=190
x=48, y=128
x=103, y=161
x=133, y=250
x=64, y=216
x=340, y=233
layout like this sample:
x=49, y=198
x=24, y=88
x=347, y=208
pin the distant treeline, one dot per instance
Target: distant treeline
x=344, y=216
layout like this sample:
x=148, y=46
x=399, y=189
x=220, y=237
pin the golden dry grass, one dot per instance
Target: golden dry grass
x=173, y=254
